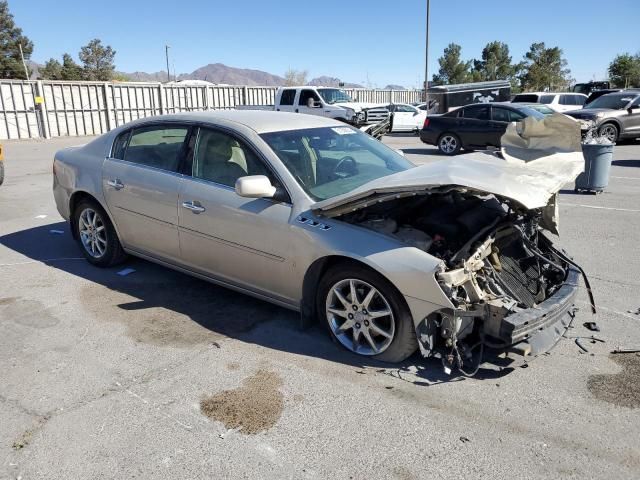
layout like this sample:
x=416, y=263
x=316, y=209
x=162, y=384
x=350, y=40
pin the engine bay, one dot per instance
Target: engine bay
x=495, y=259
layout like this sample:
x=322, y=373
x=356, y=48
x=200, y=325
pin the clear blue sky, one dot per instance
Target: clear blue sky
x=382, y=41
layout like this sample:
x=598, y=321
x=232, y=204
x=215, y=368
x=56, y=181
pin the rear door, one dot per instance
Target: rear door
x=241, y=241
x=287, y=100
x=141, y=185
x=475, y=129
x=404, y=118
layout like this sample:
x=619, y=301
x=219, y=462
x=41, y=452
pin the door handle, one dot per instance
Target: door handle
x=115, y=183
x=193, y=206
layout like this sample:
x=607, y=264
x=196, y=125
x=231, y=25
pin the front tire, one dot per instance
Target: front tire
x=366, y=314
x=96, y=235
x=449, y=144
x=609, y=131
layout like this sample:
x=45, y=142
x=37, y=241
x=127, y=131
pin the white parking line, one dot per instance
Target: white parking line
x=563, y=204
x=627, y=178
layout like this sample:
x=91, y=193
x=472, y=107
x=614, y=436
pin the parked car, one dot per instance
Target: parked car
x=615, y=115
x=1, y=165
x=598, y=93
x=474, y=126
x=406, y=118
x=316, y=216
x=559, y=102
x=325, y=102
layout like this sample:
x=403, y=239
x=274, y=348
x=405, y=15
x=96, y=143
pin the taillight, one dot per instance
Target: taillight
x=426, y=123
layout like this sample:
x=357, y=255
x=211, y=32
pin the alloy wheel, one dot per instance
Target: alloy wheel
x=360, y=317
x=93, y=233
x=448, y=144
x=609, y=132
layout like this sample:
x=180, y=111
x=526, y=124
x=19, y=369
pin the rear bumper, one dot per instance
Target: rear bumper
x=429, y=136
x=536, y=330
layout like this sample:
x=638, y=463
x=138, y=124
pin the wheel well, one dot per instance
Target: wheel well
x=612, y=122
x=74, y=201
x=311, y=279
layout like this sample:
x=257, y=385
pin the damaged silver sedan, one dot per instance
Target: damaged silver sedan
x=313, y=215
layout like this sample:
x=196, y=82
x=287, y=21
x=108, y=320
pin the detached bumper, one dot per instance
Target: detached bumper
x=537, y=330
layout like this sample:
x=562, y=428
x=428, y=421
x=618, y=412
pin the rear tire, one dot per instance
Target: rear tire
x=96, y=235
x=449, y=144
x=1, y=172
x=361, y=324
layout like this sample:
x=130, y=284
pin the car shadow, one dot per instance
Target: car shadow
x=423, y=151
x=138, y=297
x=626, y=163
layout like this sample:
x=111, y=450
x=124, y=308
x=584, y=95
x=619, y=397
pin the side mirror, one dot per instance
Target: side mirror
x=255, y=186
x=632, y=108
x=311, y=103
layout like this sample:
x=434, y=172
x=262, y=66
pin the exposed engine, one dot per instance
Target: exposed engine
x=495, y=260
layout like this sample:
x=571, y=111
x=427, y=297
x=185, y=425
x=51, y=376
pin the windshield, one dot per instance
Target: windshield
x=334, y=95
x=613, y=101
x=530, y=112
x=330, y=161
x=541, y=108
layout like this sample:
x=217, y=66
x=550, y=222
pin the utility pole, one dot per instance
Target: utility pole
x=26, y=71
x=426, y=58
x=166, y=53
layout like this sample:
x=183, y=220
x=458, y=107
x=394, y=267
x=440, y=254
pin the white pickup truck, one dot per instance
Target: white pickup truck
x=326, y=102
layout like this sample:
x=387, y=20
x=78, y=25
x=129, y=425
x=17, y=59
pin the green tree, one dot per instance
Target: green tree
x=624, y=70
x=52, y=70
x=10, y=39
x=70, y=69
x=97, y=60
x=452, y=68
x=544, y=68
x=495, y=63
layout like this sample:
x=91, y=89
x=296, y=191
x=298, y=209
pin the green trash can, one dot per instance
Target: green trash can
x=597, y=165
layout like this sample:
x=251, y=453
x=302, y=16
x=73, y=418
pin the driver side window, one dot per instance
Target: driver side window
x=222, y=159
x=305, y=95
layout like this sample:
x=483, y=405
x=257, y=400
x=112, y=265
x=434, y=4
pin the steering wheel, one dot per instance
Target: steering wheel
x=346, y=167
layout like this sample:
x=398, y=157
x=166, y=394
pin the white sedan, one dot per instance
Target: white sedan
x=406, y=118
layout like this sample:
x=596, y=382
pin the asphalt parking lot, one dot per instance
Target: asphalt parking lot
x=108, y=376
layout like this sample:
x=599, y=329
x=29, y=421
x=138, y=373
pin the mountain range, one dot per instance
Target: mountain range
x=220, y=73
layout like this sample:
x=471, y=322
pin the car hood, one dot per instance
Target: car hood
x=359, y=106
x=588, y=112
x=538, y=158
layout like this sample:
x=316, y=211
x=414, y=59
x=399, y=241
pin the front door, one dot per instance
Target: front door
x=141, y=184
x=243, y=241
x=309, y=97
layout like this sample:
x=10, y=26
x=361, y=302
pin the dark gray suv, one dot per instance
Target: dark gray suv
x=616, y=115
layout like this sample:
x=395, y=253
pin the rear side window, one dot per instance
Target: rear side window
x=288, y=96
x=479, y=113
x=548, y=99
x=567, y=100
x=525, y=98
x=120, y=144
x=579, y=100
x=157, y=146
